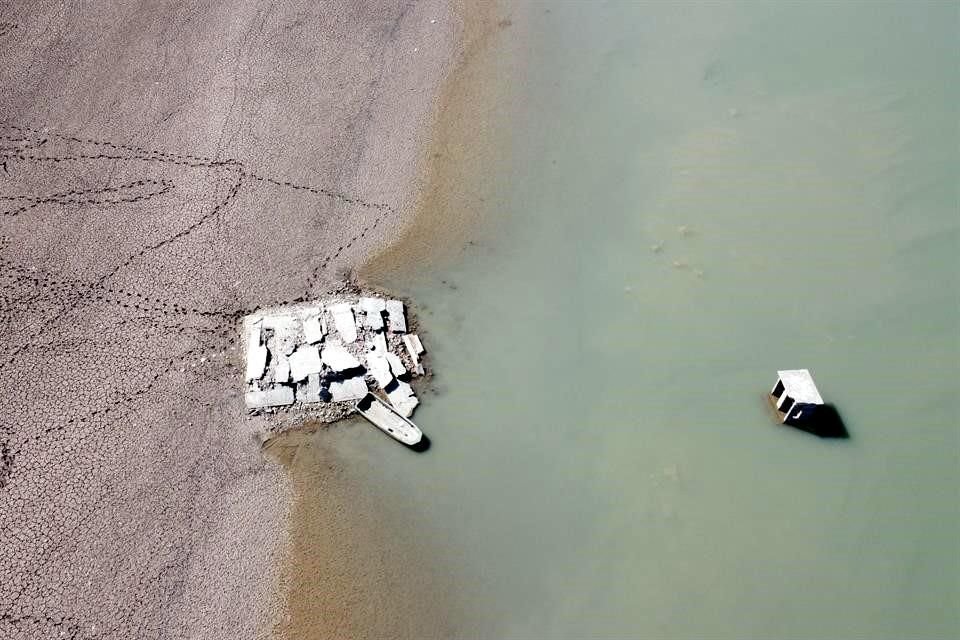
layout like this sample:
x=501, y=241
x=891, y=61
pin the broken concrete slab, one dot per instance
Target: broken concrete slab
x=373, y=309
x=395, y=317
x=286, y=333
x=378, y=344
x=412, y=343
x=414, y=349
x=336, y=357
x=277, y=396
x=349, y=389
x=309, y=349
x=380, y=369
x=396, y=364
x=256, y=362
x=256, y=354
x=314, y=329
x=304, y=361
x=282, y=372
x=402, y=398
x=309, y=392
x=344, y=321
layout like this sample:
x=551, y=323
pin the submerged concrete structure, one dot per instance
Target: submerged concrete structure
x=796, y=401
x=796, y=395
x=317, y=359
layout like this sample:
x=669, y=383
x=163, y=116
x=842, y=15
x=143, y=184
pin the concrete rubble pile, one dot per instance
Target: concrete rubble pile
x=323, y=356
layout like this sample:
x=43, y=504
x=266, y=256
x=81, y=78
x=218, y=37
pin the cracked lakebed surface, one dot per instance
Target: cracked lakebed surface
x=167, y=170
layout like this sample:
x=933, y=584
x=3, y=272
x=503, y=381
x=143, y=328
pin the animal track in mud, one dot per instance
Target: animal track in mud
x=23, y=283
x=94, y=346
x=111, y=195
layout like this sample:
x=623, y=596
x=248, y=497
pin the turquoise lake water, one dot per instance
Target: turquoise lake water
x=697, y=196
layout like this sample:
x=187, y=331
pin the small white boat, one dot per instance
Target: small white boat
x=388, y=420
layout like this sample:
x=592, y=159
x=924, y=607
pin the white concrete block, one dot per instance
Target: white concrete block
x=350, y=389
x=403, y=399
x=304, y=361
x=272, y=397
x=256, y=354
x=254, y=334
x=395, y=317
x=799, y=385
x=256, y=362
x=414, y=349
x=344, y=322
x=373, y=309
x=378, y=344
x=338, y=358
x=380, y=369
x=286, y=333
x=314, y=329
x=413, y=345
x=396, y=364
x=282, y=371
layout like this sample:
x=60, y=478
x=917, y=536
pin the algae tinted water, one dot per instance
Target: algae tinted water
x=694, y=197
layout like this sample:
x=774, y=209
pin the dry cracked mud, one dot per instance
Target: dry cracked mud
x=166, y=168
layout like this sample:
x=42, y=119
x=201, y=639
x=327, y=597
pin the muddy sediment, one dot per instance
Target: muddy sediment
x=356, y=568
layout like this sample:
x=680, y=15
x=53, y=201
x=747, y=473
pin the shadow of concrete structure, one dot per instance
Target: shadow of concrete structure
x=826, y=423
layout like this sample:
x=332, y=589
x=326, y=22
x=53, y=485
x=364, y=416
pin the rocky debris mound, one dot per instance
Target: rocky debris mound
x=318, y=358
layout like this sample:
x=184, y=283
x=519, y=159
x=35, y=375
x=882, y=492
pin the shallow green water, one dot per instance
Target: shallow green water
x=603, y=460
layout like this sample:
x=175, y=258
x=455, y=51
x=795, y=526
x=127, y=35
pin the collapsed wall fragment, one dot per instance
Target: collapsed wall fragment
x=320, y=357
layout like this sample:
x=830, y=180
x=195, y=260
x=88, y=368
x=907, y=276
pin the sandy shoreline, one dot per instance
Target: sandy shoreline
x=356, y=569
x=461, y=151
x=166, y=169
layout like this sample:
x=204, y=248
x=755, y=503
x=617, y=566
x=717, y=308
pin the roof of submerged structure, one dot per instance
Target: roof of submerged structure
x=799, y=385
